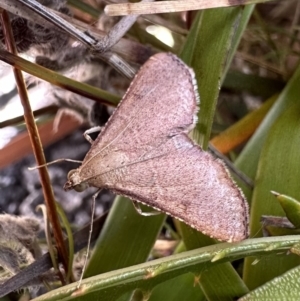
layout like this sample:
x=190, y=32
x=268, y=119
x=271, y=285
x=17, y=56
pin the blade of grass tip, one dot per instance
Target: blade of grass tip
x=278, y=169
x=67, y=226
x=49, y=240
x=291, y=208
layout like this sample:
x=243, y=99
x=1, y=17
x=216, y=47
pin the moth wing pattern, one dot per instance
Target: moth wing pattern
x=160, y=103
x=187, y=183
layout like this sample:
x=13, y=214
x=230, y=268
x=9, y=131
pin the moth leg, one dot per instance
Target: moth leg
x=90, y=236
x=139, y=210
x=90, y=131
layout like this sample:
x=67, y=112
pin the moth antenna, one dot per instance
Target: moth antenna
x=90, y=236
x=53, y=162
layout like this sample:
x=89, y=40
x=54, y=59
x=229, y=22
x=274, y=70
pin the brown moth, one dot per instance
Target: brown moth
x=144, y=153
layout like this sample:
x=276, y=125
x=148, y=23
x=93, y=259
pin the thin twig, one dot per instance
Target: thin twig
x=159, y=7
x=36, y=144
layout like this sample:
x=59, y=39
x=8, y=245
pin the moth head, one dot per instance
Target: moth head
x=75, y=182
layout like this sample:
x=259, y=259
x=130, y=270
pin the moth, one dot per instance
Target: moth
x=144, y=153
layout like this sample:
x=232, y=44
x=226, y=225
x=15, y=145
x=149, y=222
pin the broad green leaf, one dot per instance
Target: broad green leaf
x=238, y=31
x=278, y=170
x=285, y=287
x=184, y=287
x=249, y=157
x=206, y=50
